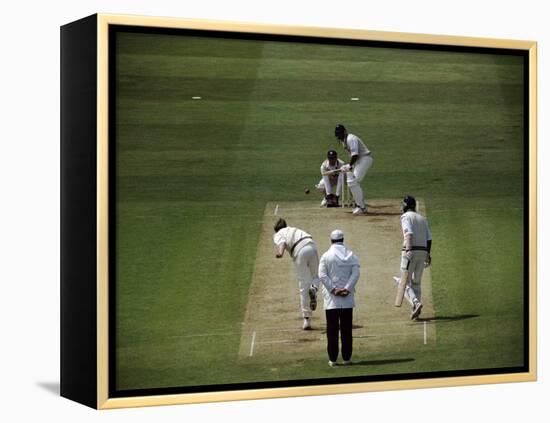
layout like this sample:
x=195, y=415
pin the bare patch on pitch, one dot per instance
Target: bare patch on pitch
x=272, y=328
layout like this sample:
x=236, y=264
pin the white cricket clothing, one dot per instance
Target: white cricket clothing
x=294, y=238
x=360, y=169
x=416, y=225
x=328, y=182
x=355, y=147
x=307, y=266
x=415, y=266
x=338, y=268
x=306, y=261
x=326, y=167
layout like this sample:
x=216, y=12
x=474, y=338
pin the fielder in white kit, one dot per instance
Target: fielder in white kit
x=332, y=180
x=360, y=162
x=303, y=251
x=415, y=256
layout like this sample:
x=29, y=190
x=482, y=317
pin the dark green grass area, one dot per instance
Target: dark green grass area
x=193, y=177
x=176, y=302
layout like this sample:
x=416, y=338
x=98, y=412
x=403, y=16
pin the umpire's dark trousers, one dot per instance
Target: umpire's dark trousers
x=339, y=320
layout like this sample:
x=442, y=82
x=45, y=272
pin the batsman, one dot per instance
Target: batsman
x=356, y=169
x=415, y=256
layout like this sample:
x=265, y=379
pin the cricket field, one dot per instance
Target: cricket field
x=217, y=138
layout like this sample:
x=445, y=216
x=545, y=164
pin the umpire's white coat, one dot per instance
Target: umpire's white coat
x=339, y=268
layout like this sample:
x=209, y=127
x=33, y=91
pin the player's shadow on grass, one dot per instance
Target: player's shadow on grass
x=447, y=318
x=381, y=362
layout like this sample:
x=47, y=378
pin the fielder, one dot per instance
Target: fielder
x=359, y=164
x=303, y=250
x=339, y=273
x=415, y=256
x=332, y=180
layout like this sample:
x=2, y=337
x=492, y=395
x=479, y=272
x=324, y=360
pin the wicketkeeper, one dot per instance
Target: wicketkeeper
x=332, y=180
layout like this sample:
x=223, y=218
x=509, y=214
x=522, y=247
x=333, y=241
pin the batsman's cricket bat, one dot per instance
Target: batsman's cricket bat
x=401, y=288
x=331, y=172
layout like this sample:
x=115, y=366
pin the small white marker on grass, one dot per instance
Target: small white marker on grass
x=354, y=99
x=196, y=98
x=276, y=210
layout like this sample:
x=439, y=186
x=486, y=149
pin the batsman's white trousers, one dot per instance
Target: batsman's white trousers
x=415, y=266
x=306, y=262
x=360, y=169
x=353, y=179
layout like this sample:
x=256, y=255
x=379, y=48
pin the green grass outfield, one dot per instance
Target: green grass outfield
x=194, y=177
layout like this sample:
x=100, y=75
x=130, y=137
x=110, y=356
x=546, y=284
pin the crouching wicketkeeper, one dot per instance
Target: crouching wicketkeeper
x=332, y=180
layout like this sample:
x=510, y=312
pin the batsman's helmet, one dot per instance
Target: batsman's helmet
x=409, y=203
x=340, y=131
x=332, y=154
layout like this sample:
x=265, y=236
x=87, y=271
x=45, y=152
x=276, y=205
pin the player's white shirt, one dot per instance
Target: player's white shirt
x=326, y=167
x=355, y=147
x=415, y=224
x=333, y=178
x=330, y=181
x=291, y=236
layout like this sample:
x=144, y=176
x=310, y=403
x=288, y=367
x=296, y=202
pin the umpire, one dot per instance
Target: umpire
x=339, y=273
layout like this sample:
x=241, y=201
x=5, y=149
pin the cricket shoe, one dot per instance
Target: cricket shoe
x=396, y=280
x=417, y=308
x=359, y=211
x=312, y=298
x=306, y=325
x=324, y=202
x=332, y=363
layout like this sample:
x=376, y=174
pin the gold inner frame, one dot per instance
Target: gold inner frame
x=103, y=22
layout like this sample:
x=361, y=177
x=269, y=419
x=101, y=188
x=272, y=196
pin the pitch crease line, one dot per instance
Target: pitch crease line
x=358, y=336
x=425, y=334
x=276, y=210
x=252, y=344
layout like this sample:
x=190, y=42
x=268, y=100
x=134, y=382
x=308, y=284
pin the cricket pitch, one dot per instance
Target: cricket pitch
x=272, y=324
